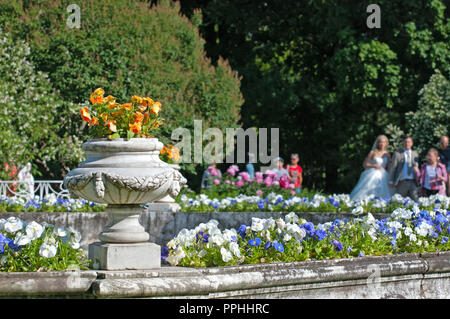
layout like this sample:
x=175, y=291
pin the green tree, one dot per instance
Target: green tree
x=314, y=69
x=432, y=118
x=34, y=121
x=129, y=48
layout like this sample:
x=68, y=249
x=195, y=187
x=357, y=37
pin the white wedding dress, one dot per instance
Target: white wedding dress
x=373, y=181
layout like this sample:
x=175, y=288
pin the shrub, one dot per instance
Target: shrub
x=432, y=118
x=34, y=122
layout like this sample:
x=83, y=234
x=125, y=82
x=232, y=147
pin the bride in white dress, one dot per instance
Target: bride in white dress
x=374, y=179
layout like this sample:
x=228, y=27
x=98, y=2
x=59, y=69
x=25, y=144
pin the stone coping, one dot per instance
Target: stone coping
x=390, y=276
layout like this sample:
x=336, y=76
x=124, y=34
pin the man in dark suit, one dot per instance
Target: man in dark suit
x=404, y=169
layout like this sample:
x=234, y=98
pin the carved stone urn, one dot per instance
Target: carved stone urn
x=124, y=174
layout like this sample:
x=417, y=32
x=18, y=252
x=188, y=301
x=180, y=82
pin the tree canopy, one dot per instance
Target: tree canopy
x=128, y=48
x=331, y=84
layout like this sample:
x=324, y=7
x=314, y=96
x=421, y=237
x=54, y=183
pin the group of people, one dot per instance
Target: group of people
x=401, y=173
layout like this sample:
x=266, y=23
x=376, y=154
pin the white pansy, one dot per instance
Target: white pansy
x=291, y=218
x=394, y=224
x=226, y=254
x=412, y=237
x=173, y=243
x=13, y=224
x=269, y=223
x=34, y=230
x=287, y=237
x=201, y=228
x=48, y=251
x=218, y=239
x=408, y=231
x=257, y=224
x=234, y=248
x=358, y=210
x=228, y=234
x=372, y=233
x=202, y=253
x=280, y=223
x=22, y=239
x=61, y=232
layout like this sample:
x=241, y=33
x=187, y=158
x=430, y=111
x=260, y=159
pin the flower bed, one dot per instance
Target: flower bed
x=49, y=204
x=318, y=203
x=34, y=247
x=234, y=183
x=293, y=239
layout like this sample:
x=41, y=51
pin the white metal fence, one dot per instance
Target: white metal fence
x=28, y=190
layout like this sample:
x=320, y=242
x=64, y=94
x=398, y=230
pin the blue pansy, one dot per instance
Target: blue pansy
x=198, y=236
x=393, y=243
x=254, y=242
x=319, y=234
x=267, y=245
x=261, y=204
x=308, y=226
x=444, y=240
x=242, y=230
x=337, y=245
x=164, y=253
x=278, y=246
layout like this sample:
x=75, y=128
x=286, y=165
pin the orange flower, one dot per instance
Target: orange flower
x=98, y=91
x=146, y=117
x=155, y=108
x=94, y=121
x=135, y=127
x=127, y=106
x=113, y=105
x=157, y=124
x=142, y=107
x=112, y=126
x=104, y=117
x=136, y=99
x=138, y=117
x=85, y=114
x=147, y=101
x=97, y=96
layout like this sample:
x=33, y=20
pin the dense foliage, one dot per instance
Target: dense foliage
x=432, y=118
x=315, y=70
x=127, y=48
x=34, y=122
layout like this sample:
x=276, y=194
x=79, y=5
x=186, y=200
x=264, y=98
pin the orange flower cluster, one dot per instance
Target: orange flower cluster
x=172, y=153
x=111, y=119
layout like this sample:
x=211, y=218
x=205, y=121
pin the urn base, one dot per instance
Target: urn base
x=132, y=256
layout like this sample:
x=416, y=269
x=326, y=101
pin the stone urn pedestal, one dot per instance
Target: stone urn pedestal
x=124, y=174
